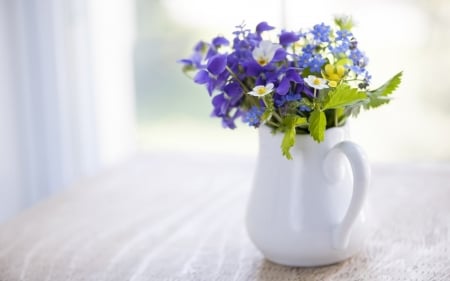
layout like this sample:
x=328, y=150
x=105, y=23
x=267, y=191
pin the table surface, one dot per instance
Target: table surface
x=180, y=217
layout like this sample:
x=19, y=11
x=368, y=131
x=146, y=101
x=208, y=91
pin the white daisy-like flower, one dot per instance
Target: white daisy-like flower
x=264, y=53
x=261, y=90
x=316, y=82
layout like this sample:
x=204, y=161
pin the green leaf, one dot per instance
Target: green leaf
x=289, y=123
x=288, y=142
x=390, y=86
x=343, y=95
x=344, y=61
x=376, y=101
x=317, y=125
x=300, y=121
x=353, y=110
x=380, y=96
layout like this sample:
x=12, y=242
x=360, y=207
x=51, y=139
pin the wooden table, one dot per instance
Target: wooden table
x=180, y=217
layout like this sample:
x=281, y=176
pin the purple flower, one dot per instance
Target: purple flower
x=291, y=75
x=217, y=64
x=220, y=41
x=234, y=91
x=202, y=77
x=222, y=110
x=284, y=86
x=263, y=26
x=287, y=38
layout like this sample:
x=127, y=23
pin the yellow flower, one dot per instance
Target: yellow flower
x=332, y=84
x=334, y=72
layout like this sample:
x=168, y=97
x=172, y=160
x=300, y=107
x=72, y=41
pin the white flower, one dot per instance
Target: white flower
x=263, y=54
x=316, y=82
x=261, y=90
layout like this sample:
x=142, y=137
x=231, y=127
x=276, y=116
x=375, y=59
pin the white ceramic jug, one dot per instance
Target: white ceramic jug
x=309, y=211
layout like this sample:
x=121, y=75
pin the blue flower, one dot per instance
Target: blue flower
x=321, y=32
x=315, y=65
x=281, y=100
x=253, y=116
x=304, y=108
x=308, y=49
x=343, y=35
x=293, y=97
x=356, y=69
x=340, y=49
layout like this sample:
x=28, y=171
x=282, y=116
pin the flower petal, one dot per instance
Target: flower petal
x=202, y=77
x=216, y=64
x=293, y=75
x=284, y=86
x=220, y=41
x=280, y=54
x=287, y=38
x=263, y=26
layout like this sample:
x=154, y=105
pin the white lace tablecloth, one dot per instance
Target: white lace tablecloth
x=180, y=217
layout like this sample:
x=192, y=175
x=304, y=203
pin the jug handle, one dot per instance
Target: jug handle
x=361, y=176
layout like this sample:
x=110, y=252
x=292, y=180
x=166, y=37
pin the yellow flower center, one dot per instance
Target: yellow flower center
x=262, y=61
x=316, y=81
x=261, y=91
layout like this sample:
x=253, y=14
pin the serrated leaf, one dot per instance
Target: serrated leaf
x=390, y=86
x=353, y=110
x=289, y=124
x=343, y=95
x=317, y=125
x=376, y=101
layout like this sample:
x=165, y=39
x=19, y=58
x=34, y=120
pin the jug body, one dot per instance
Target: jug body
x=309, y=211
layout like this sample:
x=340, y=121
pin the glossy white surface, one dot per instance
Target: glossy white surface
x=309, y=211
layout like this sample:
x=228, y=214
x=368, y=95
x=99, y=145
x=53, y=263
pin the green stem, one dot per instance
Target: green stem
x=335, y=118
x=273, y=124
x=274, y=113
x=237, y=79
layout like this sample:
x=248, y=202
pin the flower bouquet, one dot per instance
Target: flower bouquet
x=303, y=82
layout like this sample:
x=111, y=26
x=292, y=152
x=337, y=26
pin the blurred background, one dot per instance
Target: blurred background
x=85, y=84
